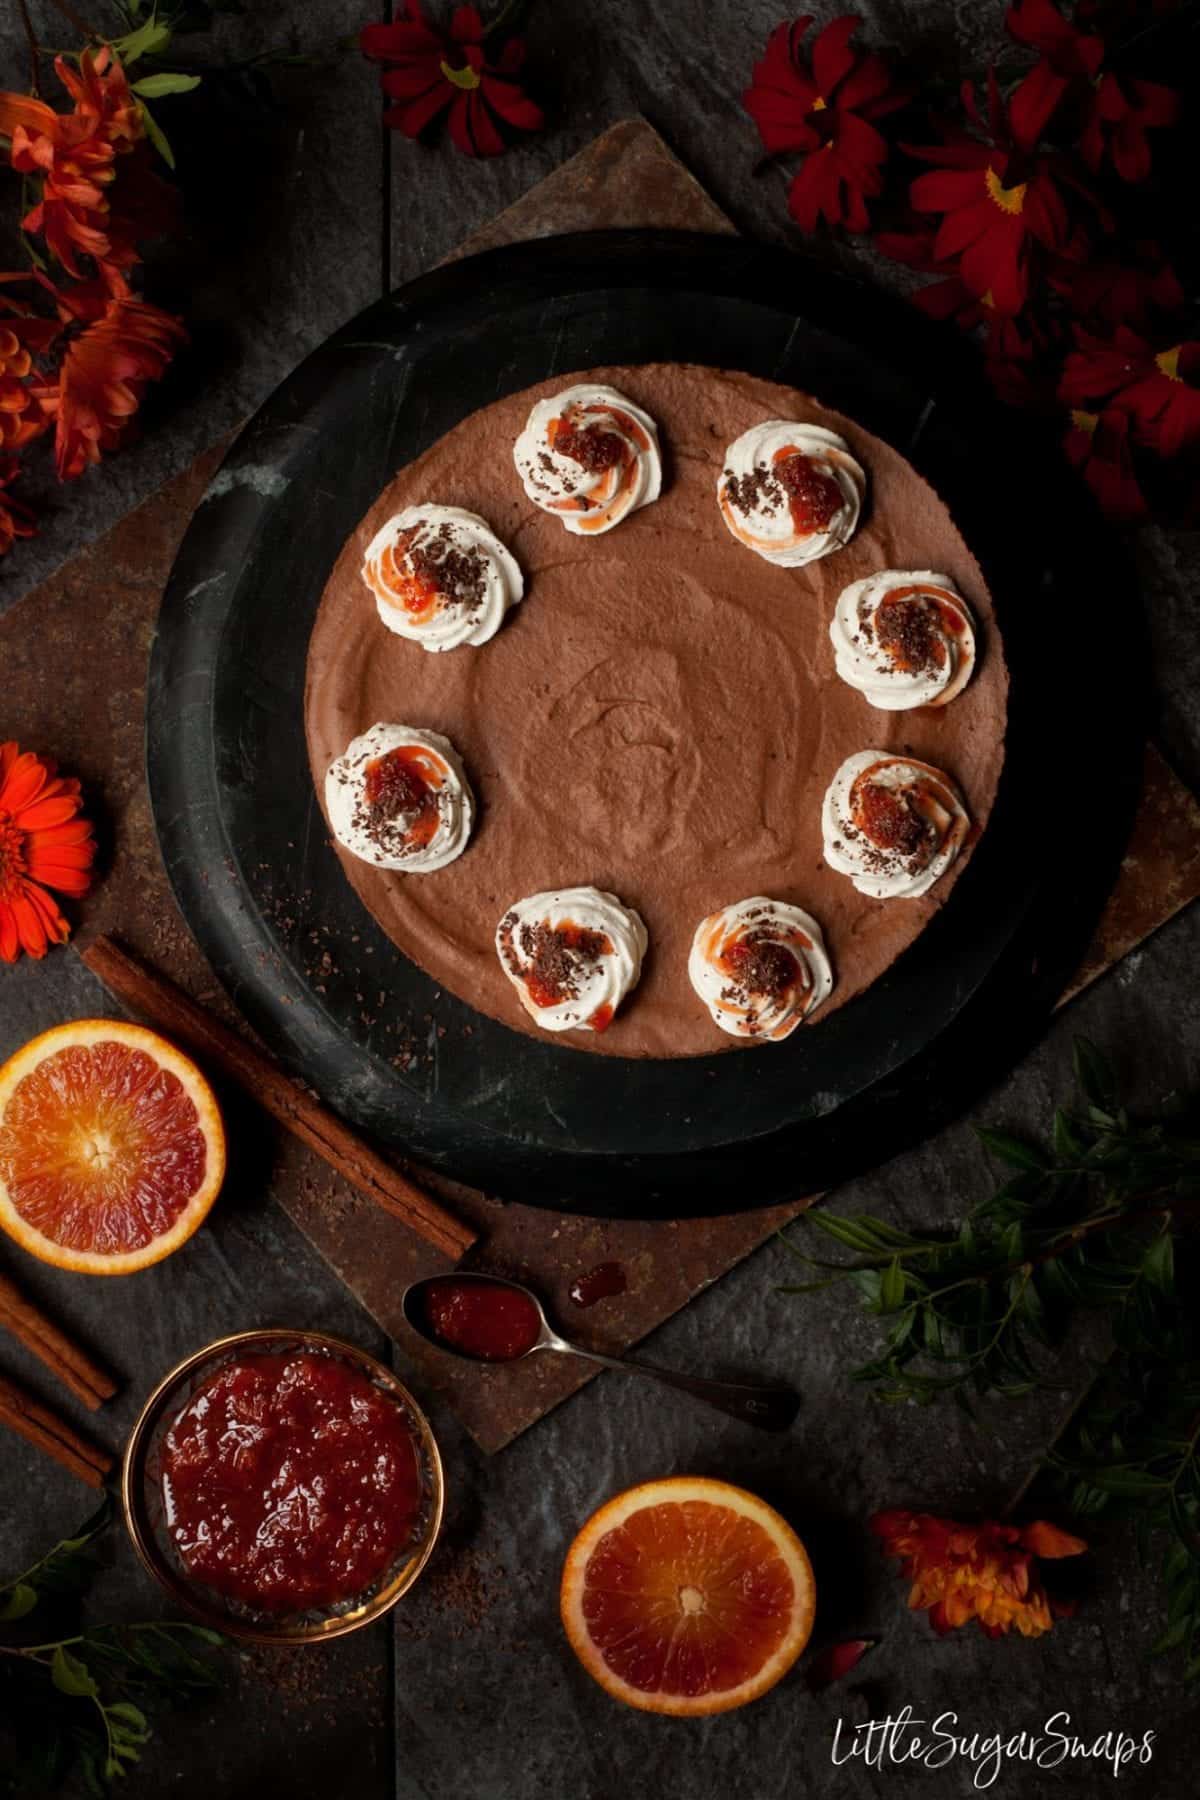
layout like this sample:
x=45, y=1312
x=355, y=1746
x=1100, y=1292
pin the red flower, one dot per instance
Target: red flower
x=1123, y=110
x=1068, y=56
x=1160, y=390
x=825, y=112
x=16, y=520
x=430, y=72
x=1119, y=292
x=103, y=372
x=1097, y=444
x=985, y=1572
x=75, y=155
x=1117, y=112
x=997, y=204
x=44, y=845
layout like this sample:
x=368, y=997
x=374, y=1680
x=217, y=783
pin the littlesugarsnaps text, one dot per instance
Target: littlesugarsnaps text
x=935, y=1743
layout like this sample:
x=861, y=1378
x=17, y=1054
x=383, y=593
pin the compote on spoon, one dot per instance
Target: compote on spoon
x=488, y=1319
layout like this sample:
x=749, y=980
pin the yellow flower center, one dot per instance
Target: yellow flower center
x=1168, y=362
x=1009, y=200
x=818, y=104
x=1085, y=421
x=466, y=77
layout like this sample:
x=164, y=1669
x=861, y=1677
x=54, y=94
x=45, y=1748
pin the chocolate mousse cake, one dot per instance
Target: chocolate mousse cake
x=662, y=716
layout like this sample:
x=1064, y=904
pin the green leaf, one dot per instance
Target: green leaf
x=147, y=40
x=128, y=1714
x=1012, y=1150
x=157, y=87
x=71, y=1676
x=1128, y=1484
x=858, y=1232
x=1094, y=1073
x=156, y=134
x=1068, y=1145
x=1158, y=1264
x=892, y=1288
x=18, y=1600
x=1175, y=1562
x=1171, y=1638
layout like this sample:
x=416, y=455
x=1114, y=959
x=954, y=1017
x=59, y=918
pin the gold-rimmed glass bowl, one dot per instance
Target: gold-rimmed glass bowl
x=142, y=1498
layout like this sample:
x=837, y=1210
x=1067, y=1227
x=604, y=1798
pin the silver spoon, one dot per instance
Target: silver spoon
x=771, y=1408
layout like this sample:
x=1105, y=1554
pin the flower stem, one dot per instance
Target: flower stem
x=78, y=21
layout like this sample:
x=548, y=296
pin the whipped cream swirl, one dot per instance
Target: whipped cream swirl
x=589, y=456
x=892, y=825
x=904, y=638
x=399, y=798
x=441, y=577
x=572, y=956
x=791, y=492
x=760, y=966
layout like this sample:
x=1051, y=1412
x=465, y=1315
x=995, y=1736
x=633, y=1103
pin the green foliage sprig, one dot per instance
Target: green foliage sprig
x=77, y=1700
x=1084, y=1222
x=1088, y=1222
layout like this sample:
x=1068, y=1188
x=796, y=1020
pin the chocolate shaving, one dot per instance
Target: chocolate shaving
x=907, y=632
x=459, y=575
x=755, y=491
x=555, y=966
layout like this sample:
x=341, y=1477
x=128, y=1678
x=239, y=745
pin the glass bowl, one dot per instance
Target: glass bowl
x=142, y=1502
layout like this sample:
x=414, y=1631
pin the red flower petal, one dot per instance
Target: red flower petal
x=31, y=927
x=946, y=190
x=466, y=26
x=26, y=779
x=412, y=118
x=1035, y=102
x=513, y=106
x=832, y=57
x=1046, y=1540
x=50, y=809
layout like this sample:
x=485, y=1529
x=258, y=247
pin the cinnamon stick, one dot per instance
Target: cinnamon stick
x=195, y=1028
x=22, y=1413
x=73, y=1367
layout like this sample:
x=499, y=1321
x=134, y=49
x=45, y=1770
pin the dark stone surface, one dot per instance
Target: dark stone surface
x=488, y=1705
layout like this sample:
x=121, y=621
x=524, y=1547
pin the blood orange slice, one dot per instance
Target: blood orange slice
x=687, y=1597
x=111, y=1147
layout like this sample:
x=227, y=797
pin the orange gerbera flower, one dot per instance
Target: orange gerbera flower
x=44, y=845
x=102, y=376
x=986, y=1572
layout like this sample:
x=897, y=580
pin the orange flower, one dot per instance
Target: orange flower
x=21, y=416
x=16, y=520
x=75, y=154
x=103, y=373
x=985, y=1572
x=44, y=845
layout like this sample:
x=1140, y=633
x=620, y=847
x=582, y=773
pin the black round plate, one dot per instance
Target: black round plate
x=246, y=846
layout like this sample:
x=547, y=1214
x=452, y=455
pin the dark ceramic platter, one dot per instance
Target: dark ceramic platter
x=247, y=849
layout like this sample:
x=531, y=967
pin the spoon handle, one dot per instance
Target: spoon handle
x=770, y=1408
